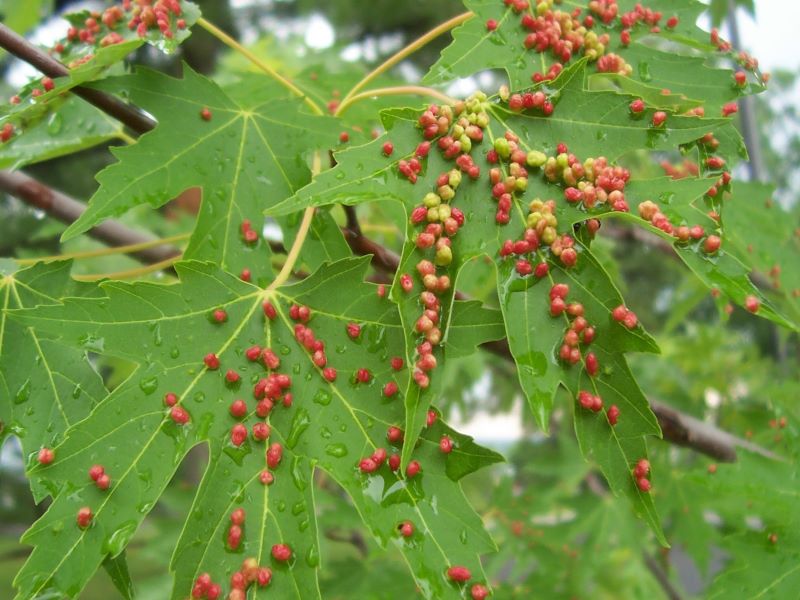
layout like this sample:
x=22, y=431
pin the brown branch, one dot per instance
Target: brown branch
x=353, y=537
x=684, y=430
x=352, y=220
x=661, y=576
x=67, y=210
x=111, y=105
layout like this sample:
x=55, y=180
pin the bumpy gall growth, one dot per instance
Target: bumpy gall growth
x=406, y=529
x=211, y=361
x=459, y=574
x=612, y=414
x=281, y=552
x=659, y=117
x=45, y=456
x=84, y=517
x=479, y=592
x=179, y=415
x=446, y=444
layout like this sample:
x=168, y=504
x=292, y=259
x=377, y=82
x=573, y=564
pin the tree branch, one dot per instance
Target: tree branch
x=67, y=210
x=111, y=105
x=661, y=576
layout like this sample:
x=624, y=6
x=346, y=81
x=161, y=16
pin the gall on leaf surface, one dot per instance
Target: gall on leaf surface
x=168, y=329
x=650, y=63
x=726, y=271
x=92, y=58
x=250, y=154
x=44, y=386
x=592, y=124
x=55, y=123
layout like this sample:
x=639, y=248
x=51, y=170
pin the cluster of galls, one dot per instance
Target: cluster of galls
x=744, y=59
x=641, y=474
x=687, y=168
x=458, y=574
x=565, y=34
x=594, y=403
x=139, y=15
x=555, y=31
x=614, y=63
x=649, y=211
x=592, y=182
x=637, y=108
x=8, y=130
x=249, y=235
x=641, y=15
x=504, y=187
x=527, y=100
x=541, y=230
x=371, y=464
x=250, y=574
x=101, y=29
x=455, y=129
x=204, y=587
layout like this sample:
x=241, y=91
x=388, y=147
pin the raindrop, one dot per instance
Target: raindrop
x=148, y=385
x=116, y=542
x=337, y=450
x=299, y=474
x=300, y=422
x=322, y=397
x=54, y=123
x=23, y=393
x=312, y=557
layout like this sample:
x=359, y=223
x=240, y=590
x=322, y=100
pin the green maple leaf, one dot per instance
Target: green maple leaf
x=65, y=125
x=591, y=124
x=92, y=61
x=658, y=61
x=167, y=329
x=726, y=271
x=762, y=566
x=249, y=156
x=44, y=386
x=768, y=247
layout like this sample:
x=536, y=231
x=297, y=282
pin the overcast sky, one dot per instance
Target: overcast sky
x=769, y=39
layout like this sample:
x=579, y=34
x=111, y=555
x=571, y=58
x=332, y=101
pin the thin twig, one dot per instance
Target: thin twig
x=403, y=90
x=234, y=45
x=407, y=50
x=130, y=273
x=300, y=238
x=129, y=249
x=661, y=576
